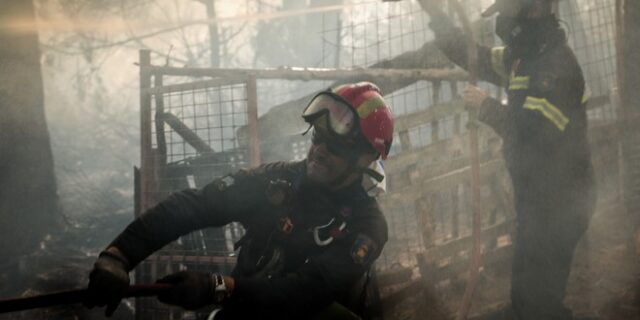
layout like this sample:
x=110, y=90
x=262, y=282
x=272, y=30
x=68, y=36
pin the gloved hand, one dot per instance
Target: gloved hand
x=108, y=281
x=193, y=290
x=474, y=97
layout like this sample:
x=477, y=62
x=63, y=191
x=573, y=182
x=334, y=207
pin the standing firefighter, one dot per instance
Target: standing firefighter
x=312, y=231
x=544, y=129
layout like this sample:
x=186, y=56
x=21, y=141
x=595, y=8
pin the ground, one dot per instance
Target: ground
x=604, y=281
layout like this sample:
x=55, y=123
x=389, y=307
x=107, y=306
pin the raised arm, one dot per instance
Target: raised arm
x=492, y=62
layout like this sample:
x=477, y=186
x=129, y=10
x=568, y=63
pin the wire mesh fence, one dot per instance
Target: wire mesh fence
x=194, y=140
x=379, y=31
x=212, y=114
x=427, y=202
x=591, y=31
x=362, y=39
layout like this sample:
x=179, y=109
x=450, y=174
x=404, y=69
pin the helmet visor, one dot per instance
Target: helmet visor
x=337, y=147
x=339, y=117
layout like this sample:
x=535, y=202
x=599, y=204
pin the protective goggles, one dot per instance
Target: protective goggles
x=330, y=111
x=334, y=145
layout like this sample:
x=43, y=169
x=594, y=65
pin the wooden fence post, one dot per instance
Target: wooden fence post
x=146, y=152
x=252, y=113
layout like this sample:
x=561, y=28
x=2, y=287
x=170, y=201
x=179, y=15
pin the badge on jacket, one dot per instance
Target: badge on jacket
x=363, y=249
x=286, y=225
x=279, y=192
x=225, y=182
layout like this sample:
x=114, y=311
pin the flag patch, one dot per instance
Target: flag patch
x=363, y=249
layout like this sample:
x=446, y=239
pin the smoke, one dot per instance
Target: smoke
x=117, y=25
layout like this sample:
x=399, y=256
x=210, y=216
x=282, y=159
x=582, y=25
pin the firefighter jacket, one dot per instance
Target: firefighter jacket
x=544, y=122
x=304, y=248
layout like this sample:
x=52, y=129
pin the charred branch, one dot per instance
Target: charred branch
x=186, y=133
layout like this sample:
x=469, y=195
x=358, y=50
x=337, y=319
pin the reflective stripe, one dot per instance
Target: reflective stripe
x=369, y=106
x=519, y=83
x=550, y=111
x=497, y=62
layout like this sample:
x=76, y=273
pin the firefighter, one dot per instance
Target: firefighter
x=312, y=230
x=544, y=130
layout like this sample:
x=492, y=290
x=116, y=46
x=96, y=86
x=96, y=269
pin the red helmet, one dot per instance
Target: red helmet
x=376, y=120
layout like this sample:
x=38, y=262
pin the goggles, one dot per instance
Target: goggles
x=334, y=145
x=330, y=111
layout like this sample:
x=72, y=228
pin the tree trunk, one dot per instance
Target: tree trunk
x=214, y=36
x=28, y=201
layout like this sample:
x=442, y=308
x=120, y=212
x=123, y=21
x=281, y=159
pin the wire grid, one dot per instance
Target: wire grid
x=392, y=28
x=214, y=114
x=371, y=31
x=591, y=30
x=367, y=33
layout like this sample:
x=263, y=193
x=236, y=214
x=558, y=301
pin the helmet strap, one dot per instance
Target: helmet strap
x=308, y=129
x=354, y=168
x=373, y=174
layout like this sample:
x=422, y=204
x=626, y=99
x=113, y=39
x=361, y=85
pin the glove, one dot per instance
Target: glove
x=193, y=290
x=108, y=282
x=474, y=97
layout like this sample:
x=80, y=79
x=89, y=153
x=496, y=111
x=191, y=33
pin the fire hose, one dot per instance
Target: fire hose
x=476, y=256
x=73, y=296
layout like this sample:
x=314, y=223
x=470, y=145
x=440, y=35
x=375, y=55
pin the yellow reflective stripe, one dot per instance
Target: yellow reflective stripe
x=550, y=111
x=497, y=62
x=369, y=106
x=519, y=83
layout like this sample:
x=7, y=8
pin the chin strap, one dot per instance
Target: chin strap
x=373, y=174
x=368, y=171
x=353, y=167
x=308, y=129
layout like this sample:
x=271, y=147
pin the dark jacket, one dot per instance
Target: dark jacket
x=281, y=269
x=544, y=123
